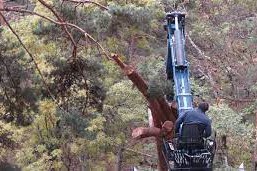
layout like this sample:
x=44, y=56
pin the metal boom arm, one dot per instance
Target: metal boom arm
x=177, y=65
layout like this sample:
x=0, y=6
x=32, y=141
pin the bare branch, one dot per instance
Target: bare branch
x=139, y=152
x=1, y=18
x=237, y=100
x=62, y=23
x=197, y=48
x=74, y=53
x=208, y=75
x=88, y=1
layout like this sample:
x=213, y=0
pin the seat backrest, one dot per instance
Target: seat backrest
x=192, y=134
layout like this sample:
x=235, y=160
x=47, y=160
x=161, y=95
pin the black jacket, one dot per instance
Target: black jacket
x=194, y=116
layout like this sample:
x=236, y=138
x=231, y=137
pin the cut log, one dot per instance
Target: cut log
x=144, y=132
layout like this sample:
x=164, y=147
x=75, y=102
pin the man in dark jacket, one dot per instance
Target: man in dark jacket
x=196, y=116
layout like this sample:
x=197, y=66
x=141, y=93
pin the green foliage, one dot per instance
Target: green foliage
x=95, y=108
x=200, y=91
x=18, y=97
x=228, y=122
x=128, y=103
x=132, y=13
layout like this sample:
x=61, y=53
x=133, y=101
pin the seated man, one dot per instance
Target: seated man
x=197, y=116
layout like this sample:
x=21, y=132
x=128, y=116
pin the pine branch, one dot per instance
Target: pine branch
x=34, y=61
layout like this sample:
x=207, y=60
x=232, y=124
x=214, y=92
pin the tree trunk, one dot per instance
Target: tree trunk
x=150, y=118
x=161, y=110
x=1, y=7
x=224, y=150
x=255, y=145
x=119, y=159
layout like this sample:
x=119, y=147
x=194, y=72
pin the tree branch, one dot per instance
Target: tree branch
x=197, y=48
x=208, y=75
x=88, y=1
x=237, y=100
x=138, y=152
x=1, y=18
x=144, y=132
x=62, y=23
x=74, y=53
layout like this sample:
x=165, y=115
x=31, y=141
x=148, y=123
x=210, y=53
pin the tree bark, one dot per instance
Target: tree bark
x=255, y=145
x=143, y=132
x=119, y=159
x=161, y=110
x=1, y=7
x=224, y=150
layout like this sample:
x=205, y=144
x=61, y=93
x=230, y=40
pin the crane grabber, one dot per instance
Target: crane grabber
x=193, y=151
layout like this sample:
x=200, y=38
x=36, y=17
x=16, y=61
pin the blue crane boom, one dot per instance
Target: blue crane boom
x=177, y=66
x=182, y=153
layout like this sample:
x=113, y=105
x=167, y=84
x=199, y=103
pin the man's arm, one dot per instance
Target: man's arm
x=179, y=122
x=208, y=129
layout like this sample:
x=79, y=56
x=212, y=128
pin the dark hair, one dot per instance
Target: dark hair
x=204, y=106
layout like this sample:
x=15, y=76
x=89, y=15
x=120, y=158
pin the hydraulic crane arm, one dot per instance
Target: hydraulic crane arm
x=177, y=66
x=179, y=155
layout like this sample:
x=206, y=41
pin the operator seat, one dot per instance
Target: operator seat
x=191, y=136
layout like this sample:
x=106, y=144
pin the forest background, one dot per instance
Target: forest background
x=65, y=105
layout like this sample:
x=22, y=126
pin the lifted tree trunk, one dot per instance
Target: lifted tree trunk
x=161, y=112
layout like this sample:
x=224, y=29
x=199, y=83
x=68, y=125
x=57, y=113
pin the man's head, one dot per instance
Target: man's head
x=204, y=106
